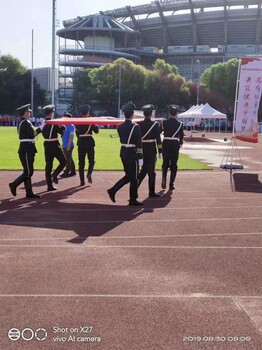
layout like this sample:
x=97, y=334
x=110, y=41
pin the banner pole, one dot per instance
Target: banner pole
x=236, y=99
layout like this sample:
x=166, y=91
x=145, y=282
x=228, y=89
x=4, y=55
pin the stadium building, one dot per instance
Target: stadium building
x=192, y=34
x=44, y=78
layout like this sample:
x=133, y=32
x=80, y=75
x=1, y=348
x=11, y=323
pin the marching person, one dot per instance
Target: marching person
x=131, y=155
x=86, y=146
x=26, y=151
x=151, y=141
x=173, y=140
x=52, y=148
x=68, y=146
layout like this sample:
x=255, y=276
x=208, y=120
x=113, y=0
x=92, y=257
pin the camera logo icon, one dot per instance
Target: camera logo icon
x=14, y=334
x=27, y=334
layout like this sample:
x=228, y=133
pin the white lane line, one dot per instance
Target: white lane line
x=95, y=194
x=130, y=221
x=142, y=210
x=134, y=296
x=132, y=237
x=181, y=198
x=120, y=246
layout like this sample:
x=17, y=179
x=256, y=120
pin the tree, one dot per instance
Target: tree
x=25, y=93
x=106, y=81
x=220, y=82
x=161, y=86
x=165, y=86
x=15, y=82
x=84, y=91
x=11, y=71
x=164, y=68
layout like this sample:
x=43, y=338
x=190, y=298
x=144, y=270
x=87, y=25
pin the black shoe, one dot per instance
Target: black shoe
x=33, y=195
x=154, y=194
x=89, y=178
x=72, y=174
x=82, y=183
x=12, y=188
x=55, y=180
x=163, y=185
x=171, y=187
x=63, y=175
x=136, y=203
x=111, y=195
x=51, y=188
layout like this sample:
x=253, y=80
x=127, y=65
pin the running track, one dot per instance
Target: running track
x=183, y=272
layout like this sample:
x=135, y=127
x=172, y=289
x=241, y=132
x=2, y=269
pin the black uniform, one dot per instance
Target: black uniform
x=151, y=141
x=86, y=147
x=173, y=139
x=131, y=151
x=53, y=150
x=26, y=151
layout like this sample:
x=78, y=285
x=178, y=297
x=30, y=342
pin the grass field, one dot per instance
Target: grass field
x=107, y=152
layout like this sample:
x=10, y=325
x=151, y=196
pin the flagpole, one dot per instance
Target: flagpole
x=53, y=52
x=32, y=75
x=236, y=98
x=119, y=88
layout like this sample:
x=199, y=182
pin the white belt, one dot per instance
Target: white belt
x=149, y=141
x=172, y=138
x=128, y=145
x=28, y=140
x=85, y=135
x=50, y=140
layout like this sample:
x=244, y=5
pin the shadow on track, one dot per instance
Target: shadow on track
x=54, y=212
x=247, y=183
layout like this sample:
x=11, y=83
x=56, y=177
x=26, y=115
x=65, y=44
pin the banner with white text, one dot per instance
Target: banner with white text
x=249, y=94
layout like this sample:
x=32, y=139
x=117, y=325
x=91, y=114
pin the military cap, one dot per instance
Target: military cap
x=173, y=109
x=24, y=108
x=85, y=109
x=148, y=109
x=49, y=108
x=129, y=107
x=68, y=115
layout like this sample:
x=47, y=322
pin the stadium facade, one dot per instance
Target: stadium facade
x=44, y=78
x=192, y=34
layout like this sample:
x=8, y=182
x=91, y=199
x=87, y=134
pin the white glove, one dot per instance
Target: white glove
x=41, y=127
x=140, y=162
x=160, y=156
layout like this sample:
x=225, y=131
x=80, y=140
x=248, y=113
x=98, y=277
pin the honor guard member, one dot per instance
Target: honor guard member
x=86, y=146
x=52, y=149
x=151, y=141
x=131, y=155
x=173, y=140
x=26, y=151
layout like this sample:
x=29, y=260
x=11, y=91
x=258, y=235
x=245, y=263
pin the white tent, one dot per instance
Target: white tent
x=208, y=112
x=203, y=112
x=196, y=113
x=188, y=113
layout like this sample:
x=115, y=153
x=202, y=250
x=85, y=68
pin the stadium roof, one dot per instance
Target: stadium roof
x=98, y=23
x=158, y=7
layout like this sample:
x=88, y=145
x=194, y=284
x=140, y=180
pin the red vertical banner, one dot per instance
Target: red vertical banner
x=249, y=94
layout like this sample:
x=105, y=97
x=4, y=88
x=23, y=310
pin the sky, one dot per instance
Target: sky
x=18, y=19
